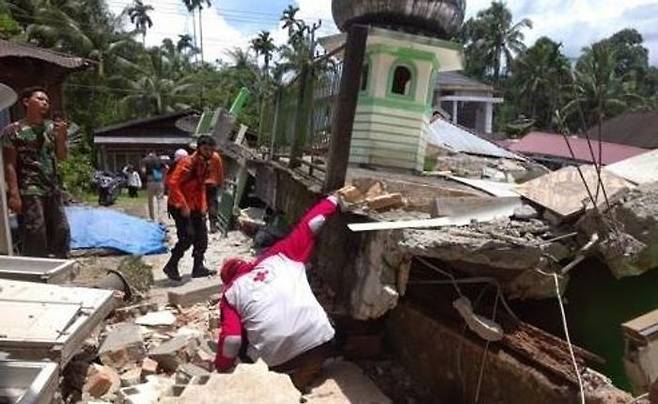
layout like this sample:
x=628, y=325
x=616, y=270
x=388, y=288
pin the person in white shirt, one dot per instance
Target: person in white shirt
x=270, y=302
x=134, y=182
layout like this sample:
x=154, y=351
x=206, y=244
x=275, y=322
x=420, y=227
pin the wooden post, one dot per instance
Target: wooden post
x=339, y=150
x=301, y=116
x=275, y=124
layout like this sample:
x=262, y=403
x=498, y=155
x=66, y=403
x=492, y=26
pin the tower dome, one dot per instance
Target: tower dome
x=439, y=18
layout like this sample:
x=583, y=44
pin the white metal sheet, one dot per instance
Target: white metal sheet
x=499, y=208
x=499, y=189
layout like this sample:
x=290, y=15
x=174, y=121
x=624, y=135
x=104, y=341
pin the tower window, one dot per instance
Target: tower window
x=364, y=76
x=401, y=81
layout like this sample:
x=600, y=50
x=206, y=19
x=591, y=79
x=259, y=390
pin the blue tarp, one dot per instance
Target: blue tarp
x=107, y=228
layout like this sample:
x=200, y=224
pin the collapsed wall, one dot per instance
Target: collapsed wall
x=628, y=232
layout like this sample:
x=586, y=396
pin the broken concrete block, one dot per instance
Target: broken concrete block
x=374, y=190
x=248, y=383
x=122, y=346
x=147, y=393
x=149, y=367
x=174, y=352
x=351, y=194
x=343, y=383
x=525, y=212
x=188, y=371
x=388, y=201
x=132, y=377
x=195, y=291
x=155, y=319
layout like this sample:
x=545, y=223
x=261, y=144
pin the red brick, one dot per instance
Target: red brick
x=98, y=384
x=149, y=367
x=388, y=201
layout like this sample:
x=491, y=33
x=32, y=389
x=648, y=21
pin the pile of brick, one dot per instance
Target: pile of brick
x=147, y=353
x=374, y=198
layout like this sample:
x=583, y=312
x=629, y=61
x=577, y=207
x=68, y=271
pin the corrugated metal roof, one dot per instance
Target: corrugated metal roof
x=140, y=121
x=13, y=49
x=446, y=135
x=639, y=129
x=457, y=81
x=554, y=145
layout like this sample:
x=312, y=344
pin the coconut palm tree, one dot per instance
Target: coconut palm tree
x=598, y=91
x=154, y=85
x=493, y=40
x=194, y=5
x=138, y=14
x=539, y=76
x=186, y=44
x=263, y=45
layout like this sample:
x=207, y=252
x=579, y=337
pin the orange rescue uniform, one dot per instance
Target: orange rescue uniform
x=187, y=188
x=215, y=175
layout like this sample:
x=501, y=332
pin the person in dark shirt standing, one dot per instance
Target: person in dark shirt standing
x=31, y=148
x=154, y=171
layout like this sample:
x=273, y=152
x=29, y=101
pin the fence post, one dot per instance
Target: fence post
x=341, y=137
x=301, y=116
x=275, y=124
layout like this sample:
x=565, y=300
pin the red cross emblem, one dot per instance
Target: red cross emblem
x=260, y=276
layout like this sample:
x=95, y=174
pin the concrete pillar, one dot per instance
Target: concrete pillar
x=488, y=125
x=454, y=112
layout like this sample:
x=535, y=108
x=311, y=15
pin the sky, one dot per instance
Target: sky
x=232, y=23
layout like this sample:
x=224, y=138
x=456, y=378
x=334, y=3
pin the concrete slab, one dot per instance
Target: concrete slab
x=94, y=305
x=344, y=383
x=246, y=384
x=194, y=291
x=30, y=269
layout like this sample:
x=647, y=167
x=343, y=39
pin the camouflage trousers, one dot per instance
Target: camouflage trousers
x=44, y=229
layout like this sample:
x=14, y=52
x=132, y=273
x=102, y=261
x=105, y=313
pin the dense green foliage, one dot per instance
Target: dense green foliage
x=543, y=89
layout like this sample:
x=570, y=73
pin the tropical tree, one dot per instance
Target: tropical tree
x=492, y=41
x=198, y=5
x=155, y=85
x=599, y=92
x=290, y=21
x=138, y=14
x=186, y=44
x=539, y=76
x=263, y=45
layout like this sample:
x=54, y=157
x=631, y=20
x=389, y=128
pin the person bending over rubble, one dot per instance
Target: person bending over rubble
x=269, y=301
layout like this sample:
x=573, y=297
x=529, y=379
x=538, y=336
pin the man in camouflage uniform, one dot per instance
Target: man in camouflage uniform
x=31, y=148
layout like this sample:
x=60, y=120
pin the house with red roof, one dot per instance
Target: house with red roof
x=556, y=151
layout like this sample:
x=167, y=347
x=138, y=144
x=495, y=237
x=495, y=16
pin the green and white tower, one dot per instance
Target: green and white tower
x=406, y=48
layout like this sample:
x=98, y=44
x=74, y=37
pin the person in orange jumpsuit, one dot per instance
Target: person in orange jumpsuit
x=187, y=206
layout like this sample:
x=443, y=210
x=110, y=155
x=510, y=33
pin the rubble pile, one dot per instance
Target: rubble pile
x=510, y=250
x=146, y=353
x=628, y=232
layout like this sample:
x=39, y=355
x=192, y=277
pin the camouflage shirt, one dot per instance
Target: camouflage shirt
x=35, y=156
